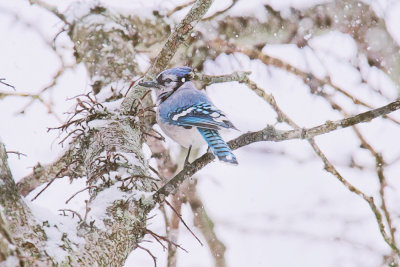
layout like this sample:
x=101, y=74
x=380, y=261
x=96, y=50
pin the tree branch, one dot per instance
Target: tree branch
x=180, y=34
x=8, y=250
x=26, y=234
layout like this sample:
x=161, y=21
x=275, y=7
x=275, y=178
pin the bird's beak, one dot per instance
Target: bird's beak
x=149, y=84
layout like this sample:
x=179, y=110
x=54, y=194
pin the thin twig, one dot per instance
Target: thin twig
x=80, y=191
x=149, y=252
x=19, y=154
x=2, y=80
x=73, y=213
x=180, y=217
x=41, y=191
x=87, y=209
x=156, y=236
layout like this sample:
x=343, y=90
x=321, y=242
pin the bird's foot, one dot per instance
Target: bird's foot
x=187, y=157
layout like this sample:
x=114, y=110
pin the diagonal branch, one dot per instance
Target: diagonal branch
x=2, y=81
x=179, y=35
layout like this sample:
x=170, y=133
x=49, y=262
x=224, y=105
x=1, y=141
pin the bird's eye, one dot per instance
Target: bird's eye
x=168, y=80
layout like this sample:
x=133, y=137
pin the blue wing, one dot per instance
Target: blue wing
x=202, y=115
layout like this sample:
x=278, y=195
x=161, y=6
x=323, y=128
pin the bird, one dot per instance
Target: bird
x=187, y=115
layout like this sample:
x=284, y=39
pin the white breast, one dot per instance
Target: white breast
x=184, y=137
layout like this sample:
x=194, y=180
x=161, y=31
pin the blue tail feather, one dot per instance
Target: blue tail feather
x=218, y=145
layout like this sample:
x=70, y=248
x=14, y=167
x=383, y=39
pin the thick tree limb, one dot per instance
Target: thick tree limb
x=9, y=252
x=18, y=222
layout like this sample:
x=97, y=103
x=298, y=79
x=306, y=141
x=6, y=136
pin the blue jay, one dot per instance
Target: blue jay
x=187, y=115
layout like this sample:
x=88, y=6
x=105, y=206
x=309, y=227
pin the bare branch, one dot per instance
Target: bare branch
x=80, y=191
x=180, y=34
x=150, y=254
x=2, y=80
x=19, y=154
x=74, y=213
x=355, y=18
x=370, y=200
x=162, y=238
x=181, y=219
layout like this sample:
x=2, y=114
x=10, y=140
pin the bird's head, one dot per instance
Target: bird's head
x=168, y=81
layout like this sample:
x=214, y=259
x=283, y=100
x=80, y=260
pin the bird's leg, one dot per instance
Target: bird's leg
x=208, y=149
x=187, y=156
